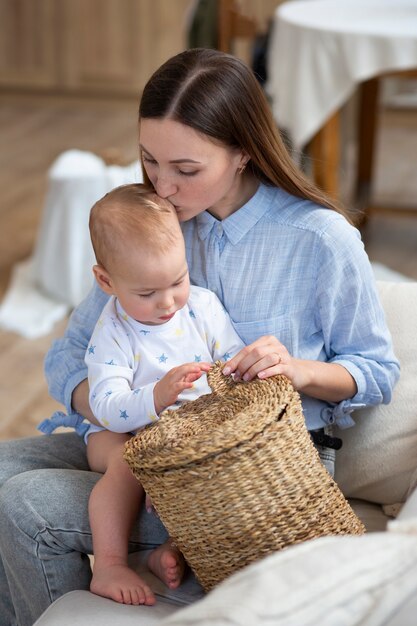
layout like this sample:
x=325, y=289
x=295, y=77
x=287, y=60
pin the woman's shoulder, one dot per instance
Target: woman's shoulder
x=305, y=215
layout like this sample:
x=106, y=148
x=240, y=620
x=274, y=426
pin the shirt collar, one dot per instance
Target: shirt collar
x=237, y=225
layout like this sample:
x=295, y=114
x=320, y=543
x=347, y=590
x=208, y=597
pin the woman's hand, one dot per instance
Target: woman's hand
x=267, y=357
x=167, y=390
x=263, y=358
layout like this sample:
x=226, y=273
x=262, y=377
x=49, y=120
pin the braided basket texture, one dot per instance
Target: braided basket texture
x=235, y=476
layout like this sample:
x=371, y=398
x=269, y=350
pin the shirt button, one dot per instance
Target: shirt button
x=219, y=230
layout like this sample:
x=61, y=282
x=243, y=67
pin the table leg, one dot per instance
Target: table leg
x=324, y=150
x=367, y=125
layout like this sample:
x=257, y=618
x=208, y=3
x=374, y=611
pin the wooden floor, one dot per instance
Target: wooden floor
x=35, y=131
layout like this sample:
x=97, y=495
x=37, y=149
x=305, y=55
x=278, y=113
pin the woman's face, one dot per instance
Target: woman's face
x=190, y=170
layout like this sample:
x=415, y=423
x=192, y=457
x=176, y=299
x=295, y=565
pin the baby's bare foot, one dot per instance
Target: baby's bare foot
x=122, y=584
x=168, y=564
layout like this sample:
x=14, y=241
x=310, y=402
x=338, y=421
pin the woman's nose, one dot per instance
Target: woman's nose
x=164, y=187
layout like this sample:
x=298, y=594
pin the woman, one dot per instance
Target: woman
x=287, y=265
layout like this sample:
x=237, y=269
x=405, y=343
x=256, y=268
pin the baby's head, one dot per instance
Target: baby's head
x=140, y=253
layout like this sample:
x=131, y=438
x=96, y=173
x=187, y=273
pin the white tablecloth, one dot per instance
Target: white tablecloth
x=321, y=49
x=59, y=273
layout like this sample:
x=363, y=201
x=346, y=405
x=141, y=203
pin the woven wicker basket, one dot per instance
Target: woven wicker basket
x=235, y=476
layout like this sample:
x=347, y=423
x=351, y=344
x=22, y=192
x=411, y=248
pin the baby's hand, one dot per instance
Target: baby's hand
x=167, y=390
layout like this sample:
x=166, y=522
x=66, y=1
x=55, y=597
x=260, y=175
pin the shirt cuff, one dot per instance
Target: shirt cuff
x=70, y=385
x=340, y=414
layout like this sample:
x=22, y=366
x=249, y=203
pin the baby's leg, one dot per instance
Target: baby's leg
x=167, y=562
x=113, y=507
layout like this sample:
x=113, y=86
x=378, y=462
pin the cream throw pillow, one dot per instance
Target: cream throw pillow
x=378, y=460
x=331, y=581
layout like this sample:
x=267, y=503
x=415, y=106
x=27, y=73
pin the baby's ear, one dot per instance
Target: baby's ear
x=103, y=279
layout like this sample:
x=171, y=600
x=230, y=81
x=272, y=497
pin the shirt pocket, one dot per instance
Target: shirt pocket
x=279, y=327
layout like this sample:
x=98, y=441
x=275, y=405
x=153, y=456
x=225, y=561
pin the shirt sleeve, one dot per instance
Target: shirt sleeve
x=117, y=405
x=65, y=367
x=222, y=338
x=353, y=322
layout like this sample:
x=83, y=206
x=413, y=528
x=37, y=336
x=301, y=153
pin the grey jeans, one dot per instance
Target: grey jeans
x=45, y=535
x=328, y=458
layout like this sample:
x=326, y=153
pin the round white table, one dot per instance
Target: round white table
x=320, y=52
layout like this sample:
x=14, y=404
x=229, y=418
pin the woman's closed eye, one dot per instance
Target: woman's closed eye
x=188, y=173
x=150, y=161
x=146, y=159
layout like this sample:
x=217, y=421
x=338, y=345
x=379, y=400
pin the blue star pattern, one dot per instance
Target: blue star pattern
x=111, y=362
x=136, y=391
x=123, y=415
x=192, y=314
x=144, y=332
x=108, y=393
x=162, y=358
x=197, y=358
x=226, y=356
x=91, y=349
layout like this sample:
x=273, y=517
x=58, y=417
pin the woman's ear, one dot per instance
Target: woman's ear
x=103, y=279
x=243, y=161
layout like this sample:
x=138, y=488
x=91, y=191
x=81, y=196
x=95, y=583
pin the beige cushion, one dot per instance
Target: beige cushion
x=329, y=581
x=378, y=459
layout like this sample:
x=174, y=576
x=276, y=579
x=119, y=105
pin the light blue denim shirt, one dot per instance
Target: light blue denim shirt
x=281, y=266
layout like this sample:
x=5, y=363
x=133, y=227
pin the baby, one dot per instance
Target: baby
x=150, y=350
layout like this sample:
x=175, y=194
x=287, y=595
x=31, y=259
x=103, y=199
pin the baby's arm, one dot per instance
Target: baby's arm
x=116, y=403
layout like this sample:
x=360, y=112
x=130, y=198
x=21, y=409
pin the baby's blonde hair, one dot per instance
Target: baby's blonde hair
x=131, y=216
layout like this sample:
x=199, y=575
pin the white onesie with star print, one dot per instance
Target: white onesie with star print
x=126, y=358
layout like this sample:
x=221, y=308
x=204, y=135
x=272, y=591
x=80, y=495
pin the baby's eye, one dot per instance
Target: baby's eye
x=145, y=295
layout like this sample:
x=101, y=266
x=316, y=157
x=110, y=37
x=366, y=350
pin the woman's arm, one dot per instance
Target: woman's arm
x=80, y=402
x=65, y=368
x=267, y=357
x=356, y=366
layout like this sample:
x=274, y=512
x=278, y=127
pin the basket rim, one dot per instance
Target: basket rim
x=167, y=456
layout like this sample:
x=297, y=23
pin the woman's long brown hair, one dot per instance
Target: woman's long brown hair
x=218, y=95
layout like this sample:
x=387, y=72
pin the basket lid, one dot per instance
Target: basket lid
x=234, y=413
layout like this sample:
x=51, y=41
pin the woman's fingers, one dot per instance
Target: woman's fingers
x=261, y=355
x=265, y=364
x=239, y=362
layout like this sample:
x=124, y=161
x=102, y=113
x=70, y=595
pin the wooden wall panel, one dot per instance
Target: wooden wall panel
x=87, y=46
x=95, y=46
x=27, y=43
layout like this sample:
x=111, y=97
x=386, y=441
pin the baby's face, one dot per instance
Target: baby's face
x=153, y=286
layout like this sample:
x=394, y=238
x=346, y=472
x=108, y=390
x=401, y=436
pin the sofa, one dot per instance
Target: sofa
x=370, y=580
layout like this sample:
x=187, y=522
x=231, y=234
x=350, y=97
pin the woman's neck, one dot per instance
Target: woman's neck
x=247, y=189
